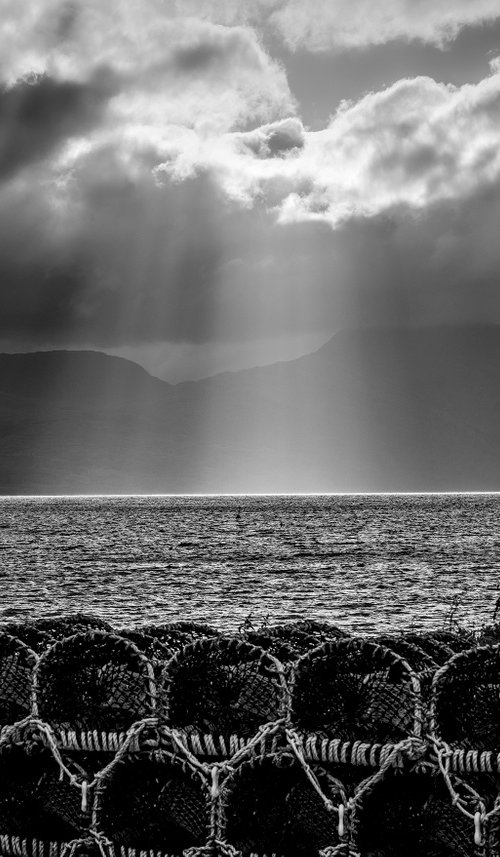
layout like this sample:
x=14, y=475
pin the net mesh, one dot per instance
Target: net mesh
x=93, y=680
x=324, y=630
x=411, y=814
x=465, y=709
x=34, y=802
x=419, y=660
x=272, y=808
x=154, y=802
x=17, y=663
x=222, y=685
x=156, y=651
x=438, y=650
x=457, y=641
x=178, y=634
x=121, y=745
x=286, y=648
x=36, y=639
x=60, y=626
x=356, y=691
x=413, y=654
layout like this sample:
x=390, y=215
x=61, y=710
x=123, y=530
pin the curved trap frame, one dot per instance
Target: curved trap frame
x=222, y=686
x=355, y=690
x=154, y=649
x=17, y=665
x=94, y=681
x=411, y=812
x=465, y=701
x=269, y=806
x=287, y=648
x=64, y=625
x=153, y=802
x=439, y=650
x=33, y=637
x=35, y=802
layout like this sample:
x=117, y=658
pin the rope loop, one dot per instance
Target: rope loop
x=296, y=746
x=340, y=850
x=215, y=789
x=478, y=837
x=478, y=814
x=215, y=848
x=84, y=788
x=85, y=843
x=341, y=812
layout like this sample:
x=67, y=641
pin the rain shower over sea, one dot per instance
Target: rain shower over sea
x=368, y=563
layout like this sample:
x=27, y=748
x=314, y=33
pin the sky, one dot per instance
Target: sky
x=203, y=185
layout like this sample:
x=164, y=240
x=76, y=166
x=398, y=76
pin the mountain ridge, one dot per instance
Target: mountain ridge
x=396, y=410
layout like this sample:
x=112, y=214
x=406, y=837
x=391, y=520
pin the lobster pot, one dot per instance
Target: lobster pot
x=17, y=663
x=322, y=630
x=94, y=681
x=439, y=650
x=156, y=652
x=419, y=660
x=154, y=802
x=196, y=630
x=289, y=641
x=413, y=654
x=354, y=690
x=286, y=648
x=58, y=627
x=411, y=814
x=457, y=642
x=465, y=702
x=35, y=804
x=494, y=830
x=269, y=806
x=33, y=637
x=223, y=686
x=176, y=635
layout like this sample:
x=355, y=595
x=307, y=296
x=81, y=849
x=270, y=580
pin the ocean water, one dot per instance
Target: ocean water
x=373, y=563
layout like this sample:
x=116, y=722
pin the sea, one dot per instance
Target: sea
x=367, y=563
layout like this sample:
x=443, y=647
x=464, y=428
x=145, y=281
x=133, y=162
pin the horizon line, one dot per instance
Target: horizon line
x=259, y=494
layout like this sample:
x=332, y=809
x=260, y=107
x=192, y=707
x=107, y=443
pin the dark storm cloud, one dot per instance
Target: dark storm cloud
x=133, y=263
x=39, y=113
x=137, y=263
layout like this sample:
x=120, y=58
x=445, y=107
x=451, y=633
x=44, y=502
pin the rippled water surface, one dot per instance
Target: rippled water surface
x=366, y=563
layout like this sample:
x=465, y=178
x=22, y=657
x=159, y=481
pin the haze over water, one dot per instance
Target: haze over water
x=367, y=563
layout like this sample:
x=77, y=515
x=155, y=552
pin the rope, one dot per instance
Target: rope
x=194, y=752
x=411, y=748
x=479, y=815
x=295, y=744
x=94, y=838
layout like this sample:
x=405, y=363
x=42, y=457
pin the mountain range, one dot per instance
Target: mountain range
x=372, y=410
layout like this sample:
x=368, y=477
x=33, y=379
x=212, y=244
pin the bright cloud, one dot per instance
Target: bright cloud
x=165, y=71
x=69, y=37
x=416, y=143
x=344, y=24
x=358, y=23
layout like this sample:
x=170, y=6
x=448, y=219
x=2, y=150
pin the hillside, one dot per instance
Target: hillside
x=370, y=411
